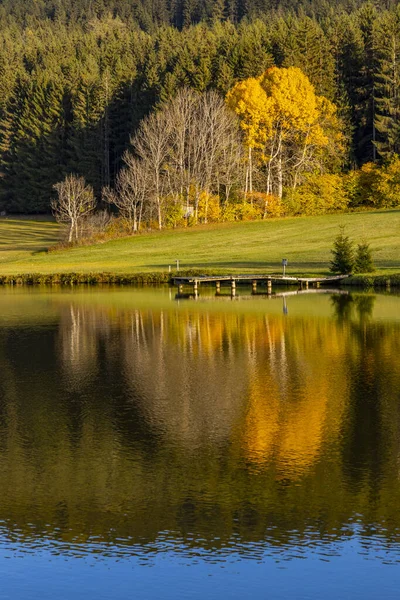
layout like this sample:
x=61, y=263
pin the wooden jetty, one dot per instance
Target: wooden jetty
x=268, y=280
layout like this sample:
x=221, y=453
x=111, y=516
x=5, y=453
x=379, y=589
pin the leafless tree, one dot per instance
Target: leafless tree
x=191, y=145
x=130, y=192
x=181, y=113
x=152, y=146
x=232, y=167
x=75, y=200
x=219, y=138
x=95, y=223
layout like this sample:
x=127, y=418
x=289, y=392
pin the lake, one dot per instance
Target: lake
x=161, y=448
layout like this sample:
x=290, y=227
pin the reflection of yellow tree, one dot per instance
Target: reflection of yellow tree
x=292, y=411
x=262, y=421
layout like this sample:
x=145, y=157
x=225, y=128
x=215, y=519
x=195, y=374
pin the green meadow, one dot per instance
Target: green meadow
x=241, y=247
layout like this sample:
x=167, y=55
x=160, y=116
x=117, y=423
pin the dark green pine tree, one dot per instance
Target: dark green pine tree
x=252, y=54
x=232, y=10
x=363, y=258
x=215, y=10
x=365, y=91
x=12, y=113
x=188, y=12
x=88, y=140
x=342, y=254
x=346, y=45
x=301, y=42
x=387, y=86
x=48, y=163
x=35, y=155
x=176, y=9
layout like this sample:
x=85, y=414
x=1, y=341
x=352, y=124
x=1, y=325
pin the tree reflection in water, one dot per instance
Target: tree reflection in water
x=213, y=428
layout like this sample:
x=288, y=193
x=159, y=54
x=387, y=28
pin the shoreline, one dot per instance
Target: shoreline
x=157, y=278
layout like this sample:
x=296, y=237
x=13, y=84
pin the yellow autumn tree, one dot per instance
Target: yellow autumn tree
x=250, y=102
x=289, y=127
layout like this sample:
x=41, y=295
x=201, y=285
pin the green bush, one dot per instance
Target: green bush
x=363, y=259
x=343, y=254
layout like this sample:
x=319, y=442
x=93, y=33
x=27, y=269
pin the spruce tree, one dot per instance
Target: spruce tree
x=301, y=42
x=387, y=86
x=347, y=48
x=366, y=92
x=343, y=254
x=363, y=260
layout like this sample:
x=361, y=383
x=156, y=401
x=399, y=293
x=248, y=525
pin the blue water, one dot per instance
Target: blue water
x=352, y=574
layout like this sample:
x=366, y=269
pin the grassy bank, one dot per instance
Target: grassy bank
x=224, y=248
x=160, y=277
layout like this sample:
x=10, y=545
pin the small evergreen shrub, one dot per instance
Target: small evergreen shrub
x=343, y=254
x=363, y=259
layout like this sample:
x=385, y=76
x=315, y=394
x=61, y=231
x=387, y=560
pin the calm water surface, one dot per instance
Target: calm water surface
x=153, y=448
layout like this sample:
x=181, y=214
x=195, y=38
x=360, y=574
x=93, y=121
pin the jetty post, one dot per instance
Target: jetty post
x=269, y=286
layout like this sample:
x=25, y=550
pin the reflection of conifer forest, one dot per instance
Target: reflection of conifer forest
x=206, y=424
x=77, y=77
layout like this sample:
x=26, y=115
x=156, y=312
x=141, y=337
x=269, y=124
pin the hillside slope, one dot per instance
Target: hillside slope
x=231, y=247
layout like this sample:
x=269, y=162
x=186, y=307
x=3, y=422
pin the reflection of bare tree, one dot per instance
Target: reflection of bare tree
x=78, y=342
x=184, y=388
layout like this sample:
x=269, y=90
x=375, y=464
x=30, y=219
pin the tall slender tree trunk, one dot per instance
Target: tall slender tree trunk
x=373, y=125
x=250, y=170
x=196, y=209
x=159, y=213
x=269, y=178
x=71, y=231
x=135, y=220
x=140, y=216
x=206, y=209
x=106, y=134
x=280, y=176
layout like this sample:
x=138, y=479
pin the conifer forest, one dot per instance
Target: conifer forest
x=200, y=109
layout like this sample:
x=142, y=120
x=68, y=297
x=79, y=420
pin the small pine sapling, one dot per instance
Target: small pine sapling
x=343, y=254
x=363, y=260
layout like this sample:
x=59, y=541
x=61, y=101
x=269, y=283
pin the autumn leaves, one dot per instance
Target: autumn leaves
x=194, y=161
x=200, y=159
x=288, y=129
